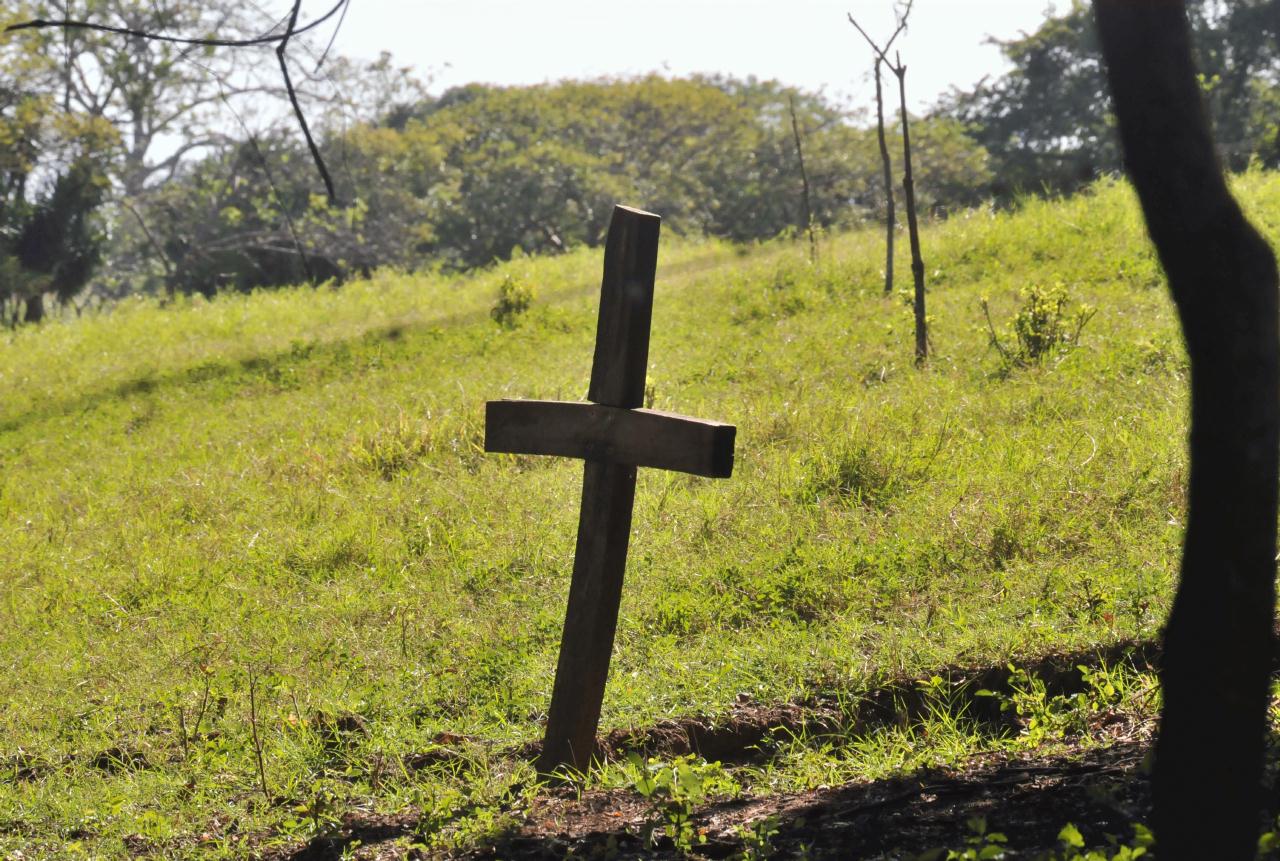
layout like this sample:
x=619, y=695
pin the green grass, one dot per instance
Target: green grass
x=289, y=487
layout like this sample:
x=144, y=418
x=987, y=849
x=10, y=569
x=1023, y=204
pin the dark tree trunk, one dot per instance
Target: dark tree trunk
x=913, y=228
x=890, y=216
x=1222, y=275
x=34, y=309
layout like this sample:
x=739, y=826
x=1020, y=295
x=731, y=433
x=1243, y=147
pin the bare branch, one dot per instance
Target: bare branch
x=297, y=108
x=281, y=41
x=334, y=37
x=883, y=52
x=151, y=240
x=42, y=23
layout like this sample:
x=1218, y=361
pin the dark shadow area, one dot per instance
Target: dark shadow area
x=1028, y=797
x=750, y=732
x=1102, y=791
x=357, y=831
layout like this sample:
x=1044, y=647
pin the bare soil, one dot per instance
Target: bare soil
x=1028, y=798
x=1101, y=788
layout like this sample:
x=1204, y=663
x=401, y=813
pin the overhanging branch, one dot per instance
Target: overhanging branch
x=281, y=41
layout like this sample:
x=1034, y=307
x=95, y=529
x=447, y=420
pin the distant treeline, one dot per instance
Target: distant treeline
x=482, y=171
x=472, y=175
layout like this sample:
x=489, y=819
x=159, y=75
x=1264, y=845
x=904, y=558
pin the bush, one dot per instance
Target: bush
x=514, y=298
x=1041, y=326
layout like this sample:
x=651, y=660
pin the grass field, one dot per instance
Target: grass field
x=255, y=540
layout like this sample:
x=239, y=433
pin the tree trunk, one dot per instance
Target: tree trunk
x=889, y=215
x=1222, y=275
x=34, y=308
x=804, y=180
x=913, y=229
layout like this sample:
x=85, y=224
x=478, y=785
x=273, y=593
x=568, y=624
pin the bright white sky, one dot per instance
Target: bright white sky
x=808, y=43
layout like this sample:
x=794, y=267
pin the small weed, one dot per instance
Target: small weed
x=1043, y=719
x=1072, y=846
x=757, y=838
x=673, y=791
x=981, y=845
x=515, y=297
x=1269, y=842
x=318, y=814
x=853, y=472
x=392, y=448
x=1041, y=327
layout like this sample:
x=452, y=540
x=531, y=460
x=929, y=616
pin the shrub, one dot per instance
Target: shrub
x=514, y=298
x=1041, y=326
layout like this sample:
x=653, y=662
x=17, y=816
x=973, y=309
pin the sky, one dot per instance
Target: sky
x=808, y=43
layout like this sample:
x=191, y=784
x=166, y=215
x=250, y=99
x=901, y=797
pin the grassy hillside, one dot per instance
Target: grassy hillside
x=285, y=493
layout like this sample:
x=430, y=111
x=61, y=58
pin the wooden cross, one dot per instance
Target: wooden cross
x=614, y=436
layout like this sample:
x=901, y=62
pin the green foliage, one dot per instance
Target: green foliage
x=392, y=449
x=1044, y=719
x=1042, y=325
x=673, y=791
x=757, y=838
x=1047, y=123
x=1269, y=842
x=317, y=815
x=981, y=845
x=249, y=216
x=290, y=480
x=1073, y=847
x=985, y=844
x=854, y=472
x=481, y=172
x=515, y=297
x=52, y=183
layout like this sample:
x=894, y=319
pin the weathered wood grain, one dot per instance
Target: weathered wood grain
x=611, y=435
x=591, y=620
x=615, y=437
x=626, y=309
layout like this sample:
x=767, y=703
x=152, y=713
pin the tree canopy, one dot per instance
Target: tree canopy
x=481, y=171
x=1048, y=123
x=203, y=198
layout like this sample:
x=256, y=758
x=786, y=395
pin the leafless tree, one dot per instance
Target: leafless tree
x=804, y=182
x=899, y=70
x=890, y=215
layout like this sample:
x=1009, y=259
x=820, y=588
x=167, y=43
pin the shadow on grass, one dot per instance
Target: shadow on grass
x=275, y=369
x=272, y=367
x=1103, y=791
x=749, y=732
x=1029, y=797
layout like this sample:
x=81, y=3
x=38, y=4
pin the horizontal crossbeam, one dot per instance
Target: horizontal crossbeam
x=606, y=434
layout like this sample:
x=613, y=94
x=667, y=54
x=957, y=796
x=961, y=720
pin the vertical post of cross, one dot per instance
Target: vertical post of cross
x=618, y=375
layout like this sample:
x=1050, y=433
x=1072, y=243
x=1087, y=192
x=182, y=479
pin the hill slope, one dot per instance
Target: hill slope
x=284, y=495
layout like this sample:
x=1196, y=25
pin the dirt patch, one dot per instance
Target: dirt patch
x=1028, y=798
x=744, y=734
